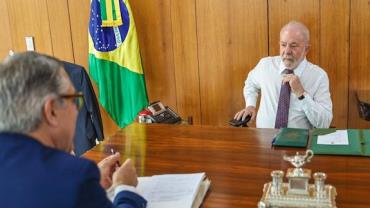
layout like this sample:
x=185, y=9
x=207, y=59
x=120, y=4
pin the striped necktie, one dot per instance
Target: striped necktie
x=282, y=113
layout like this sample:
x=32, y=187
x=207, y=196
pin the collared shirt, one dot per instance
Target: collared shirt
x=315, y=110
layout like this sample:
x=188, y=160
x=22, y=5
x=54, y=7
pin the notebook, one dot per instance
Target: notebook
x=291, y=137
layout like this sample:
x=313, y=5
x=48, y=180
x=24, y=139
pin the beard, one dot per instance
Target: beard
x=290, y=62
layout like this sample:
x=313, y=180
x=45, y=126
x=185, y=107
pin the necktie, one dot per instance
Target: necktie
x=282, y=113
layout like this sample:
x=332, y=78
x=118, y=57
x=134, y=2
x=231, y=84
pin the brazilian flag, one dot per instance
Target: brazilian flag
x=114, y=60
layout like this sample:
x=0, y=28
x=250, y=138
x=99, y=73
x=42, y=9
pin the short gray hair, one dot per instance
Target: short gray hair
x=26, y=80
x=301, y=27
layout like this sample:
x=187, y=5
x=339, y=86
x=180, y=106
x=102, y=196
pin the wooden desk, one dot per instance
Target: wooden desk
x=237, y=160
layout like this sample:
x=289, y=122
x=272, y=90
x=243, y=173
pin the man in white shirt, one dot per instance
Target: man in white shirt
x=310, y=104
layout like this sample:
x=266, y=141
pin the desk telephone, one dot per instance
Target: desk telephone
x=162, y=114
x=242, y=123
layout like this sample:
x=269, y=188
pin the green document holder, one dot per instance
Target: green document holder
x=291, y=137
x=358, y=143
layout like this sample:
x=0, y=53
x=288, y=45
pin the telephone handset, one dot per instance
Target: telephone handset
x=162, y=114
x=242, y=123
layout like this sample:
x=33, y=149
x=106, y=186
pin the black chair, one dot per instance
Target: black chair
x=89, y=127
x=363, y=104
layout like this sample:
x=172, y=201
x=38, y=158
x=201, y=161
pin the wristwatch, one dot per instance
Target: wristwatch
x=302, y=96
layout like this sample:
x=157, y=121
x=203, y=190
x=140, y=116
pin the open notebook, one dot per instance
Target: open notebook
x=173, y=190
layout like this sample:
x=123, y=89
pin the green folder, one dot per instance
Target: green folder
x=291, y=137
x=358, y=143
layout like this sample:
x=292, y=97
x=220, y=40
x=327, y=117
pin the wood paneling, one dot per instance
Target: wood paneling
x=60, y=29
x=334, y=54
x=29, y=18
x=232, y=37
x=186, y=59
x=5, y=37
x=79, y=12
x=305, y=11
x=153, y=23
x=359, y=77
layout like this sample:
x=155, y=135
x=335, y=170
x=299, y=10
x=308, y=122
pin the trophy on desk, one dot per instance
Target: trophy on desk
x=298, y=192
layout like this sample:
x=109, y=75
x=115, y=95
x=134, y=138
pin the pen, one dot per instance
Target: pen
x=273, y=141
x=113, y=152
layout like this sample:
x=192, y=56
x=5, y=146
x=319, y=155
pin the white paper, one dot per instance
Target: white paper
x=339, y=137
x=172, y=190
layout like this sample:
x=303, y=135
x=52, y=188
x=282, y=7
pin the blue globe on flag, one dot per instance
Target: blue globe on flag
x=107, y=38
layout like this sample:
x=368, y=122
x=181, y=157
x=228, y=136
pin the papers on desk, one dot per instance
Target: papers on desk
x=173, y=190
x=339, y=137
x=344, y=142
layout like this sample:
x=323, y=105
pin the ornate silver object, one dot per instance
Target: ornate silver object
x=298, y=192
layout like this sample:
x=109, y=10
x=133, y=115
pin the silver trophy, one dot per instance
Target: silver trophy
x=298, y=192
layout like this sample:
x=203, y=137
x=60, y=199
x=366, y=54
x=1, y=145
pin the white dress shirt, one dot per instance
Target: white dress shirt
x=315, y=110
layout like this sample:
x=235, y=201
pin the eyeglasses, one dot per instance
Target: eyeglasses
x=77, y=99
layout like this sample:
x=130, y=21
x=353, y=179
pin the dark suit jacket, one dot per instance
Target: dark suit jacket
x=33, y=175
x=89, y=123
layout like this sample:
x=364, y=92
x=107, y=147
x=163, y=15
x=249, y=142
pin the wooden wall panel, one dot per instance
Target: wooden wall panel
x=153, y=23
x=60, y=29
x=186, y=59
x=334, y=54
x=232, y=37
x=29, y=18
x=359, y=77
x=305, y=11
x=79, y=13
x=5, y=37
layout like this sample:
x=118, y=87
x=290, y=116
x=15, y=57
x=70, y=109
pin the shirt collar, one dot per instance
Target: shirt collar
x=298, y=70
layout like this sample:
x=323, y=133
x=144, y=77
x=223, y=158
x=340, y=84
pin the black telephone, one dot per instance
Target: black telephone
x=242, y=123
x=162, y=114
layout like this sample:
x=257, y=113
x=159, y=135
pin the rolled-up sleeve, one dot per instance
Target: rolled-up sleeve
x=252, y=87
x=318, y=107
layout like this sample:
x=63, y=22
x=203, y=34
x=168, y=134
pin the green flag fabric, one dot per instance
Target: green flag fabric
x=114, y=60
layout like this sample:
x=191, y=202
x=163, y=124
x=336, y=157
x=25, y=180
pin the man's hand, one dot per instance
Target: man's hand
x=107, y=167
x=250, y=110
x=126, y=175
x=295, y=84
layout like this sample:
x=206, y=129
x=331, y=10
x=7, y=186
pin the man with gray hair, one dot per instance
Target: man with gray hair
x=38, y=111
x=294, y=92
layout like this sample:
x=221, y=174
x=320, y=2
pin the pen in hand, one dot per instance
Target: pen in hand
x=117, y=163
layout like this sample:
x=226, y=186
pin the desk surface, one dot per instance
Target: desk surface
x=237, y=160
